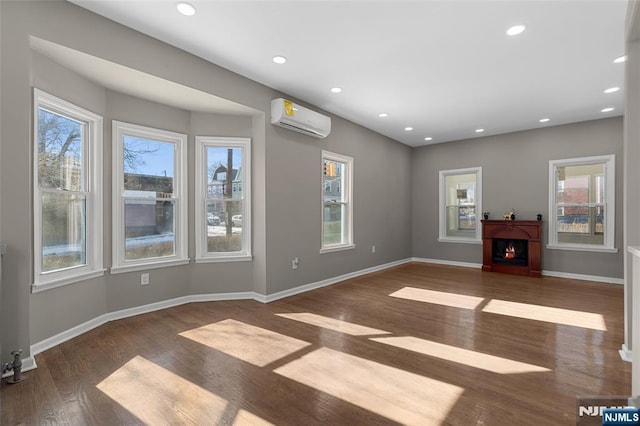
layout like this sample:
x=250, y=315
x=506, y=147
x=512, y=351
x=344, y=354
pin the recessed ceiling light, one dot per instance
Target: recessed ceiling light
x=186, y=9
x=336, y=90
x=428, y=138
x=408, y=129
x=479, y=130
x=612, y=90
x=516, y=29
x=619, y=59
x=544, y=120
x=609, y=109
x=279, y=59
x=383, y=115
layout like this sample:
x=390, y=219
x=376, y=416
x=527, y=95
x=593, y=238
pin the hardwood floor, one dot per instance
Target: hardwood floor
x=453, y=346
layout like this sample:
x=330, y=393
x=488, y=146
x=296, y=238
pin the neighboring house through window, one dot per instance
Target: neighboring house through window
x=582, y=203
x=460, y=205
x=149, y=198
x=67, y=193
x=337, y=205
x=223, y=199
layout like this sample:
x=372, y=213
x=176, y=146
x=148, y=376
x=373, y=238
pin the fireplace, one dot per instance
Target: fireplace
x=512, y=247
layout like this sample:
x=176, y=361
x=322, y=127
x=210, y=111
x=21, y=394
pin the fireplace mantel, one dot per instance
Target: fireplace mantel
x=512, y=230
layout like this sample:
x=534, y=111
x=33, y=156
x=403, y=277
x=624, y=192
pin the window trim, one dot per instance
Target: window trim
x=347, y=200
x=442, y=205
x=119, y=264
x=609, y=162
x=92, y=172
x=200, y=200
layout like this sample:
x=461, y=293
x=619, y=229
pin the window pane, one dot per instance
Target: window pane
x=59, y=152
x=334, y=215
x=225, y=194
x=581, y=225
x=580, y=200
x=334, y=224
x=148, y=167
x=224, y=226
x=332, y=181
x=221, y=183
x=460, y=205
x=63, y=231
x=149, y=229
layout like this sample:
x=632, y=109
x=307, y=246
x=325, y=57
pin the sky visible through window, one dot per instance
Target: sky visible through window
x=155, y=158
x=218, y=156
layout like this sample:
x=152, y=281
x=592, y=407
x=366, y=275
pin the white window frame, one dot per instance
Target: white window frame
x=92, y=175
x=442, y=225
x=609, y=162
x=347, y=199
x=202, y=253
x=119, y=264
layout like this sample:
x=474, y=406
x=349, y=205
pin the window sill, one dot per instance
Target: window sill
x=220, y=259
x=148, y=265
x=337, y=248
x=594, y=249
x=48, y=285
x=459, y=240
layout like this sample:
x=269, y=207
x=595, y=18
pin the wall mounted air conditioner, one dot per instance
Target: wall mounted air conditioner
x=285, y=113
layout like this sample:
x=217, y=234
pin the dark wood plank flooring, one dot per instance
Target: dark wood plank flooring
x=103, y=377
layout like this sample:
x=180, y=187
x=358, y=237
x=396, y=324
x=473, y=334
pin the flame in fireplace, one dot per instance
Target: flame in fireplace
x=510, y=251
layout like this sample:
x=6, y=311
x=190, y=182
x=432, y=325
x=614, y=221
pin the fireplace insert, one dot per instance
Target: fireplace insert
x=510, y=251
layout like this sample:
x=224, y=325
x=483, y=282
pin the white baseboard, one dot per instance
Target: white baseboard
x=329, y=281
x=62, y=337
x=582, y=277
x=625, y=353
x=597, y=278
x=447, y=262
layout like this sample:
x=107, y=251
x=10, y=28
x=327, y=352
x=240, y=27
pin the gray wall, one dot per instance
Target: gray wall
x=515, y=175
x=285, y=175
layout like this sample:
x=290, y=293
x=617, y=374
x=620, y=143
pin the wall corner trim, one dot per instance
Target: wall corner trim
x=625, y=353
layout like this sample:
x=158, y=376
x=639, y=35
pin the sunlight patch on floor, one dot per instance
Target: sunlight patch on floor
x=157, y=396
x=245, y=418
x=439, y=297
x=396, y=394
x=547, y=314
x=333, y=324
x=492, y=363
x=247, y=342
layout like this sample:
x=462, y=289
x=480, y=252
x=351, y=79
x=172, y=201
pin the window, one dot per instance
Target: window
x=67, y=193
x=337, y=206
x=582, y=203
x=461, y=205
x=223, y=201
x=149, y=198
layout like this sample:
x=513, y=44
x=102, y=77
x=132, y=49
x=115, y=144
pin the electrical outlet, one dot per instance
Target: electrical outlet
x=294, y=263
x=144, y=279
x=373, y=249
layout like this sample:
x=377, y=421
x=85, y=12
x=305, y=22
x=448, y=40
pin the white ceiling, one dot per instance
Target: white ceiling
x=444, y=67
